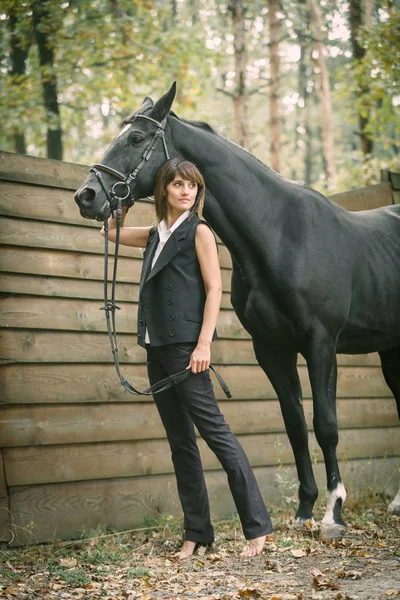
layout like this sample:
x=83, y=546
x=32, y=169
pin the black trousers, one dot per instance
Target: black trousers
x=193, y=402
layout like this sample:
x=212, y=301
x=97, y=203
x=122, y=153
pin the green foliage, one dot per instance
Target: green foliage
x=137, y=572
x=70, y=576
x=109, y=55
x=373, y=85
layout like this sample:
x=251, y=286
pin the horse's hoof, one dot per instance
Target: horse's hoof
x=332, y=530
x=394, y=509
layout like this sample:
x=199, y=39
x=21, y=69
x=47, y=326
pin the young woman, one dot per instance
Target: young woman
x=180, y=295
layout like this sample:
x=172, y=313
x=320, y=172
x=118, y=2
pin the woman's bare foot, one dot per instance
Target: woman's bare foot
x=253, y=547
x=186, y=551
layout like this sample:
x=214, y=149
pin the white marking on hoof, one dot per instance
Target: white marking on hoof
x=331, y=497
x=394, y=507
x=306, y=524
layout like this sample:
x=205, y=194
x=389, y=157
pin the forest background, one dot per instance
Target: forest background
x=311, y=87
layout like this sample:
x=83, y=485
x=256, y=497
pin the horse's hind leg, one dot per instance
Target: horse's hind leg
x=390, y=360
x=281, y=370
x=321, y=363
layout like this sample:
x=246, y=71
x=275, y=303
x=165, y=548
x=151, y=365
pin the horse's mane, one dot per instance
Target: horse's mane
x=199, y=124
x=207, y=128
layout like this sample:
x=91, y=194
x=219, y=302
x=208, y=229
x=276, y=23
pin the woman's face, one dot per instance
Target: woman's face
x=181, y=195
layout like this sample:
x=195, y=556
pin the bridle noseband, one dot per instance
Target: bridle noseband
x=114, y=196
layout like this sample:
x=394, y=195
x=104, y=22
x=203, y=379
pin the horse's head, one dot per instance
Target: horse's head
x=129, y=166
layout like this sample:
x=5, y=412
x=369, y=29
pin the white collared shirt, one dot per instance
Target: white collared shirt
x=164, y=234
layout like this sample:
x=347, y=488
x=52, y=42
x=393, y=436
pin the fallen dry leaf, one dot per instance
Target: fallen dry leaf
x=274, y=565
x=249, y=593
x=298, y=552
x=349, y=574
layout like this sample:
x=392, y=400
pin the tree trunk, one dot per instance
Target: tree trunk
x=194, y=11
x=356, y=21
x=325, y=94
x=369, y=9
x=18, y=55
x=42, y=26
x=240, y=94
x=274, y=103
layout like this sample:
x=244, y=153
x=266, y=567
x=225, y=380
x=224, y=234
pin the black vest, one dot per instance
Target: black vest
x=172, y=294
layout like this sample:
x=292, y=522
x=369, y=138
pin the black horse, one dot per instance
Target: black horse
x=308, y=276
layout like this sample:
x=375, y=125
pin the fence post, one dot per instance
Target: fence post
x=394, y=180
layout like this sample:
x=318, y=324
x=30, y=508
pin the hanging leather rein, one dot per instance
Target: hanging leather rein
x=118, y=196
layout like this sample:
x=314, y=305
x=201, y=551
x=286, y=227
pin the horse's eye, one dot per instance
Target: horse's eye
x=136, y=137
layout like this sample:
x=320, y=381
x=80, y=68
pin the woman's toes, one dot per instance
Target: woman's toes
x=253, y=547
x=186, y=551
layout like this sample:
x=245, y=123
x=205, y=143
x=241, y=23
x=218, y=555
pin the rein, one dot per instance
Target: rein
x=110, y=306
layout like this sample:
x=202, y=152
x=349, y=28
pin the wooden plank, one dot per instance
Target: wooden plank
x=65, y=511
x=57, y=205
x=77, y=265
x=64, y=287
x=80, y=383
x=65, y=424
x=57, y=236
x=30, y=345
x=41, y=171
x=77, y=462
x=365, y=198
x=72, y=314
x=74, y=238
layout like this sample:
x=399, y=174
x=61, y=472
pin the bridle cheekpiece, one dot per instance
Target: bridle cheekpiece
x=116, y=196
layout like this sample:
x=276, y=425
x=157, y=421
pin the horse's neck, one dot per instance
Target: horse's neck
x=238, y=204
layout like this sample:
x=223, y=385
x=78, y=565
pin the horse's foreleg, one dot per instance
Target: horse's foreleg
x=281, y=370
x=321, y=363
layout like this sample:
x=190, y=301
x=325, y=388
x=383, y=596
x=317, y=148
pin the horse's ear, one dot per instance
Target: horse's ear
x=163, y=105
x=147, y=105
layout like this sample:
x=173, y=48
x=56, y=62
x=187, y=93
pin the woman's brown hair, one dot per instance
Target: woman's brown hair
x=167, y=173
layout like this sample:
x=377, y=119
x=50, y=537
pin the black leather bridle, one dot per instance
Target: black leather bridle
x=114, y=195
x=116, y=202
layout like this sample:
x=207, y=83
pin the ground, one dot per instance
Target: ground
x=295, y=565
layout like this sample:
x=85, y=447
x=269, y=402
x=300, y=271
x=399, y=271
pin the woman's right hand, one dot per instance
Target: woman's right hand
x=128, y=236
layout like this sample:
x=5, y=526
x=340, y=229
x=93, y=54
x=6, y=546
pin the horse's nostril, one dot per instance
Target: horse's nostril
x=86, y=196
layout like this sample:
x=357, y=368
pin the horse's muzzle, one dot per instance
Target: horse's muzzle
x=88, y=203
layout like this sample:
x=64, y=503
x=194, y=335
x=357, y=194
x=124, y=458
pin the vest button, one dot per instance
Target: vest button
x=170, y=301
x=171, y=317
x=168, y=287
x=172, y=334
x=141, y=322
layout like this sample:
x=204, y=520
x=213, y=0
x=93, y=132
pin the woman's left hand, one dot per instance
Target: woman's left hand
x=200, y=358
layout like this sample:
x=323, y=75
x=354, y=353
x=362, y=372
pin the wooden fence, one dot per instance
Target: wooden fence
x=76, y=450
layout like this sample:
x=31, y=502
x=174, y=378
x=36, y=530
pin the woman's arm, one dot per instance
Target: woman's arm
x=206, y=250
x=128, y=236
